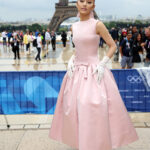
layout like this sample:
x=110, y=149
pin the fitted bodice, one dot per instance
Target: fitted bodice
x=86, y=40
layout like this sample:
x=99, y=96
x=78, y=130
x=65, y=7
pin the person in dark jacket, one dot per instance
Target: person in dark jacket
x=64, y=38
x=134, y=33
x=123, y=35
x=146, y=46
x=43, y=39
x=126, y=51
x=53, y=40
x=15, y=46
x=137, y=49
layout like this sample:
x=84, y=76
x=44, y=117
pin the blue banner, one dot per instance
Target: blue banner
x=36, y=92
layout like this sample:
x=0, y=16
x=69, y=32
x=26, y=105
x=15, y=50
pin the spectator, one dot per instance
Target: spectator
x=123, y=35
x=14, y=33
x=114, y=34
x=39, y=46
x=126, y=51
x=142, y=32
x=64, y=38
x=43, y=39
x=47, y=38
x=134, y=33
x=15, y=46
x=9, y=35
x=4, y=36
x=26, y=41
x=137, y=50
x=72, y=41
x=147, y=46
x=30, y=40
x=101, y=44
x=21, y=40
x=36, y=33
x=53, y=40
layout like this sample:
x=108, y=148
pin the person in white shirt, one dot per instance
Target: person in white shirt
x=4, y=36
x=47, y=38
x=30, y=40
x=39, y=46
x=14, y=33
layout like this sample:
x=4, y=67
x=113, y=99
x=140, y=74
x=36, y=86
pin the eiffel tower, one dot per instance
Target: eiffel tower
x=63, y=11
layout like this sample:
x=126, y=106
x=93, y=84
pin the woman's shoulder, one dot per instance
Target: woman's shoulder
x=98, y=22
x=73, y=25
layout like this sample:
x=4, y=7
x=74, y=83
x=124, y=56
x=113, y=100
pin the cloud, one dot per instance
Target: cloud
x=22, y=9
x=124, y=7
x=18, y=5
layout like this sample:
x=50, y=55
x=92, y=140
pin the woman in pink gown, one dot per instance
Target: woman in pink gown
x=90, y=114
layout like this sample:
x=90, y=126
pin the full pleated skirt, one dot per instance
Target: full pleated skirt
x=91, y=116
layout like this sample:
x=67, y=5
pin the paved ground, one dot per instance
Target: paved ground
x=51, y=60
x=30, y=132
x=39, y=140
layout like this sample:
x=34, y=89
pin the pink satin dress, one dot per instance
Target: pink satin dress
x=88, y=115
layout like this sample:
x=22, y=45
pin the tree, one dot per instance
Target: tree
x=35, y=27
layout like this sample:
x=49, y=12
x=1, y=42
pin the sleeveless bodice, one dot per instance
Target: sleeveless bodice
x=86, y=40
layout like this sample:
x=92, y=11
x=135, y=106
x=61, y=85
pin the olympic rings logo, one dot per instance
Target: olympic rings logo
x=134, y=79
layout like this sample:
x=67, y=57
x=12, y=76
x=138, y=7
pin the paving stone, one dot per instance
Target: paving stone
x=139, y=124
x=44, y=126
x=3, y=127
x=34, y=126
x=16, y=126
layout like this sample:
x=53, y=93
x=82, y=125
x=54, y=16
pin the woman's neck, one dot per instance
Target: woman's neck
x=84, y=17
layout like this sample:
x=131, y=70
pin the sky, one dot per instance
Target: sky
x=17, y=10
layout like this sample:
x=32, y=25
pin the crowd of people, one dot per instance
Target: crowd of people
x=40, y=40
x=133, y=44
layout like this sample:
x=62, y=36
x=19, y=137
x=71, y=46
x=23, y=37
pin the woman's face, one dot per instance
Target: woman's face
x=85, y=6
x=139, y=37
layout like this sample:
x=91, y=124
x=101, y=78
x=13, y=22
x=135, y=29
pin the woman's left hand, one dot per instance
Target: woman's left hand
x=100, y=68
x=100, y=72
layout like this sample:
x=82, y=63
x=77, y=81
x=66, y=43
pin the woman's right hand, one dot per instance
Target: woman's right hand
x=71, y=66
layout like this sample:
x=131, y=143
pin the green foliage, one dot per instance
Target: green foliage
x=32, y=27
x=138, y=22
x=35, y=27
x=62, y=29
x=120, y=24
x=39, y=27
x=12, y=27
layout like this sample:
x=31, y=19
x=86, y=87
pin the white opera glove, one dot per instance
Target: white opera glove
x=71, y=66
x=100, y=68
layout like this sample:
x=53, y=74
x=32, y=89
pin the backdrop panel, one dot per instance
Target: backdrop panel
x=36, y=92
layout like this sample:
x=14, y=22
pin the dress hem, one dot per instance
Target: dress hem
x=113, y=147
